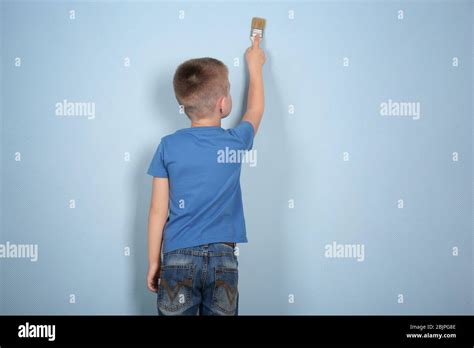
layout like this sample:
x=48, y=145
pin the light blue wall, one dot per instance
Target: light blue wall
x=408, y=250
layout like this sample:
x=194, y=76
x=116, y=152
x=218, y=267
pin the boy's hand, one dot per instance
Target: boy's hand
x=152, y=277
x=254, y=55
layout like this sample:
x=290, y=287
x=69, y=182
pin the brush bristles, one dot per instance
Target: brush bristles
x=258, y=23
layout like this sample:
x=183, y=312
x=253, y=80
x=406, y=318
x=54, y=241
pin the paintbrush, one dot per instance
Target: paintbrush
x=258, y=24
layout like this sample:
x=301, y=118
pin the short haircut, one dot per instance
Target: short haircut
x=198, y=84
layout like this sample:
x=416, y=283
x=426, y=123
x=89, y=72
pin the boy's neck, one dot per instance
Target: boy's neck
x=206, y=122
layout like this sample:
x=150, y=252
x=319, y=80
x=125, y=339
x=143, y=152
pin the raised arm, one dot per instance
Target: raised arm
x=255, y=57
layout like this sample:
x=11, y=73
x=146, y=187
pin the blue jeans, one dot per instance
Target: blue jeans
x=199, y=280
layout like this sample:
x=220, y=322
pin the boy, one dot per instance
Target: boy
x=198, y=273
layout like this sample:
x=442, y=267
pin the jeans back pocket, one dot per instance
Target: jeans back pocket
x=175, y=288
x=225, y=290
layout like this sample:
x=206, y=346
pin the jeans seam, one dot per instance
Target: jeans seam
x=205, y=261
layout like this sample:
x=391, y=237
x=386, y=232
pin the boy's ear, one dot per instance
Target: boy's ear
x=221, y=103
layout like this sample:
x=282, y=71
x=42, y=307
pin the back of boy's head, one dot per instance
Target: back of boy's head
x=199, y=83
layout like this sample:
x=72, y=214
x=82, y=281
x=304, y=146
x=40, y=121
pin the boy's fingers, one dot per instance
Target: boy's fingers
x=256, y=40
x=151, y=287
x=151, y=284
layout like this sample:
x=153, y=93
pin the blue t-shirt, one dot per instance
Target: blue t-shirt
x=203, y=168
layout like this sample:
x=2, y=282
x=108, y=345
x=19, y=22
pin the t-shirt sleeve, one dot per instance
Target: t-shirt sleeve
x=245, y=132
x=157, y=166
